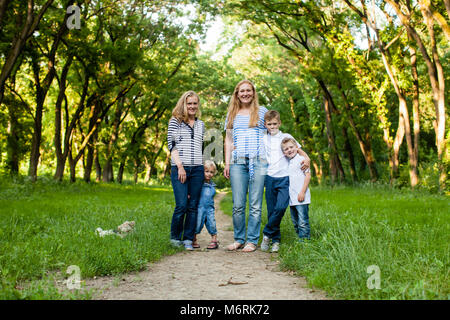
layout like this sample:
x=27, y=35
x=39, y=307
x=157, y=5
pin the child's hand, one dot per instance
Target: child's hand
x=301, y=197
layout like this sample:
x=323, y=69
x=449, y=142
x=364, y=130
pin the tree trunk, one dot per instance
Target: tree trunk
x=98, y=167
x=89, y=163
x=108, y=174
x=416, y=113
x=351, y=159
x=120, y=171
x=60, y=158
x=335, y=162
x=72, y=165
x=137, y=163
x=363, y=145
x=437, y=80
x=148, y=170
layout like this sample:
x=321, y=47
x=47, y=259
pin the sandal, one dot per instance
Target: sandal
x=195, y=244
x=213, y=245
x=249, y=247
x=234, y=246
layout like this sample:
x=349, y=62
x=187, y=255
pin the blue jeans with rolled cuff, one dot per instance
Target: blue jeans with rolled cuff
x=184, y=218
x=241, y=184
x=300, y=219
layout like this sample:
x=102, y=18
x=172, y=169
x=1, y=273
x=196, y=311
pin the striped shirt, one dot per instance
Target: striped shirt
x=187, y=140
x=248, y=142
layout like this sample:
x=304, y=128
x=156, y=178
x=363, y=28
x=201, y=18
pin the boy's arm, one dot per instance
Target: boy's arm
x=307, y=161
x=301, y=194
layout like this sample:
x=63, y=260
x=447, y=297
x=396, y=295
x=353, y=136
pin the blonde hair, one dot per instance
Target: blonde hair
x=288, y=139
x=180, y=111
x=210, y=164
x=235, y=105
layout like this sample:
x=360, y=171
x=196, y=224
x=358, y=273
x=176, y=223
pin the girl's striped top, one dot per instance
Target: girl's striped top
x=187, y=140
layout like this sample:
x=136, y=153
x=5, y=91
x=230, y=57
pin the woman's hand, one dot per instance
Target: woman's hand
x=226, y=171
x=181, y=174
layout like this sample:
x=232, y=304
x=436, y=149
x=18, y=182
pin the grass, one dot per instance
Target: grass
x=46, y=227
x=403, y=233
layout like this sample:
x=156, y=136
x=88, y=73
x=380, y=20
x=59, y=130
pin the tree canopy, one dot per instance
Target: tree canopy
x=363, y=85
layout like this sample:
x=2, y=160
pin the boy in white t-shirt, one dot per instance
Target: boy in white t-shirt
x=299, y=194
x=277, y=179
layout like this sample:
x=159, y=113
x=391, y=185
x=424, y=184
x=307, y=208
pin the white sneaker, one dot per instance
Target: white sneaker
x=265, y=243
x=275, y=246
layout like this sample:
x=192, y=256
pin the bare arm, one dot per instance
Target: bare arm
x=181, y=172
x=228, y=149
x=307, y=161
x=301, y=194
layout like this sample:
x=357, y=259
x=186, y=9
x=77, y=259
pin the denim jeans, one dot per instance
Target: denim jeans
x=300, y=219
x=277, y=200
x=205, y=216
x=205, y=213
x=241, y=184
x=184, y=217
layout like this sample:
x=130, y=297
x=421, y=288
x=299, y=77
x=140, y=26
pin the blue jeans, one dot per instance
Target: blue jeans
x=184, y=217
x=240, y=186
x=205, y=216
x=300, y=219
x=277, y=200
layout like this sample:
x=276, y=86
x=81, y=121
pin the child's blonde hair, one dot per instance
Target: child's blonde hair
x=210, y=164
x=272, y=114
x=288, y=139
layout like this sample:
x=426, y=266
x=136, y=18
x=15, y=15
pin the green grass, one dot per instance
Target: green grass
x=46, y=227
x=406, y=234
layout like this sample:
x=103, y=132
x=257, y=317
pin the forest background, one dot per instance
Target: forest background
x=87, y=87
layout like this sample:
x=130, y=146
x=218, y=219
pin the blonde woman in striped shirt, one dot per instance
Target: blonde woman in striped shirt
x=185, y=140
x=245, y=163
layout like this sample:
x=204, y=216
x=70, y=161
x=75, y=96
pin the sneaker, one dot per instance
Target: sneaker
x=188, y=245
x=275, y=246
x=265, y=243
x=176, y=243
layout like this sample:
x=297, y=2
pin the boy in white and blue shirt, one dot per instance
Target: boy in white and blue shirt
x=277, y=179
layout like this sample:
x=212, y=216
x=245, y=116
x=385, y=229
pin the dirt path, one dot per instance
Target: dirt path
x=208, y=274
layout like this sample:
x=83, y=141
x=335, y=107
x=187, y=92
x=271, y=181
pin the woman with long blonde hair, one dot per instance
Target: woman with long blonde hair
x=185, y=140
x=245, y=163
